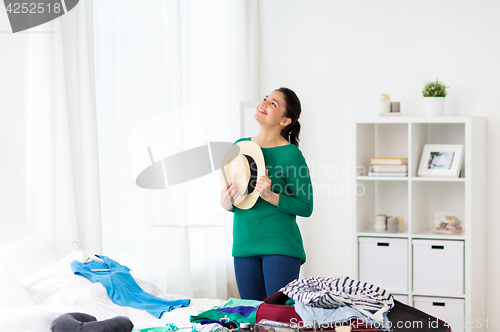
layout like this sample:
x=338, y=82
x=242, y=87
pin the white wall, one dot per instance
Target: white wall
x=339, y=56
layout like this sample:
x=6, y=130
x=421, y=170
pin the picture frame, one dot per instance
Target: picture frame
x=441, y=160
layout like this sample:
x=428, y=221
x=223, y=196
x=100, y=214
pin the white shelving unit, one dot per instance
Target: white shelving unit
x=415, y=198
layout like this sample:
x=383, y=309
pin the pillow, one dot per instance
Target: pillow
x=12, y=294
x=56, y=282
x=26, y=257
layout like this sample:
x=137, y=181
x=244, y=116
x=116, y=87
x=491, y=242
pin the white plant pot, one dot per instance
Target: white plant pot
x=434, y=106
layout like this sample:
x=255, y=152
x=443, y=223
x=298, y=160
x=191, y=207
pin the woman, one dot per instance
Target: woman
x=267, y=244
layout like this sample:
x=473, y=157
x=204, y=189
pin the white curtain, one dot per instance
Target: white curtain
x=169, y=78
x=12, y=133
x=60, y=167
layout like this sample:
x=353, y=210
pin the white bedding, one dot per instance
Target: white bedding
x=32, y=303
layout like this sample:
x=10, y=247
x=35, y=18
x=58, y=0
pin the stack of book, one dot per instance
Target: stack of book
x=388, y=167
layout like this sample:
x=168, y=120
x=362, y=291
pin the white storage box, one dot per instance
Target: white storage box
x=450, y=310
x=384, y=262
x=401, y=298
x=438, y=266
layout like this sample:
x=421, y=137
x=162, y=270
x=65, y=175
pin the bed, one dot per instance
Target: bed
x=37, y=286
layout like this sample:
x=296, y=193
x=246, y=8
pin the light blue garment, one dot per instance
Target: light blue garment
x=309, y=315
x=122, y=288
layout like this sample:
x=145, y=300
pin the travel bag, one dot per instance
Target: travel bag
x=401, y=317
x=274, y=309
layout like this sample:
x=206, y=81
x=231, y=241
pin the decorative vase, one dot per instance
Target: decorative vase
x=434, y=106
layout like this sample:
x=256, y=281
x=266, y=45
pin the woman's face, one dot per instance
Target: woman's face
x=270, y=111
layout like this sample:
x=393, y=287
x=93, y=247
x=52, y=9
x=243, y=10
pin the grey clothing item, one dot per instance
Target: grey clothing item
x=80, y=322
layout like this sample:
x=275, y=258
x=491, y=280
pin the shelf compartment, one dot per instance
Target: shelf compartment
x=429, y=196
x=379, y=140
x=434, y=133
x=381, y=197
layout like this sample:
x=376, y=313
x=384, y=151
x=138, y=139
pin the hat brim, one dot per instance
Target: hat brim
x=251, y=149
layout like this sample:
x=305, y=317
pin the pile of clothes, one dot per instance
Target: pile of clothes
x=331, y=300
x=234, y=311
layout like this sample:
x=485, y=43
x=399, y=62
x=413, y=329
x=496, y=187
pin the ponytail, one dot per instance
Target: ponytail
x=292, y=111
x=291, y=133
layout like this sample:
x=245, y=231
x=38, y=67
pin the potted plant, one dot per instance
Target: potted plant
x=434, y=97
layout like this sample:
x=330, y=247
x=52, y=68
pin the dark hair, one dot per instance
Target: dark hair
x=292, y=111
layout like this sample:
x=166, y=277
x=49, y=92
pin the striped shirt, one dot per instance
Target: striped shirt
x=330, y=293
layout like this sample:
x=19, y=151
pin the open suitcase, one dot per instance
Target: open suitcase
x=402, y=317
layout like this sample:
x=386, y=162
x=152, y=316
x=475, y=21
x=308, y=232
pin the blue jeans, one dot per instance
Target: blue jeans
x=261, y=276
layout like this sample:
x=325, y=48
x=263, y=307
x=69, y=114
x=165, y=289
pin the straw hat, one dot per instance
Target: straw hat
x=243, y=164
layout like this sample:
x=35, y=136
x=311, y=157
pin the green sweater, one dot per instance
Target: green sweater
x=266, y=229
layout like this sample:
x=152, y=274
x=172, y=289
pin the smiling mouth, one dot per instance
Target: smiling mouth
x=260, y=110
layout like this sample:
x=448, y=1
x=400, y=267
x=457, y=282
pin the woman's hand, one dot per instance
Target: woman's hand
x=263, y=187
x=228, y=195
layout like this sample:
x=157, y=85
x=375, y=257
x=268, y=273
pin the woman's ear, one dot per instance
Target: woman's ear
x=286, y=121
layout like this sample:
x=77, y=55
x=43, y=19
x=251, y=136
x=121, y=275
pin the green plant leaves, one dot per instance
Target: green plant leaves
x=434, y=89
